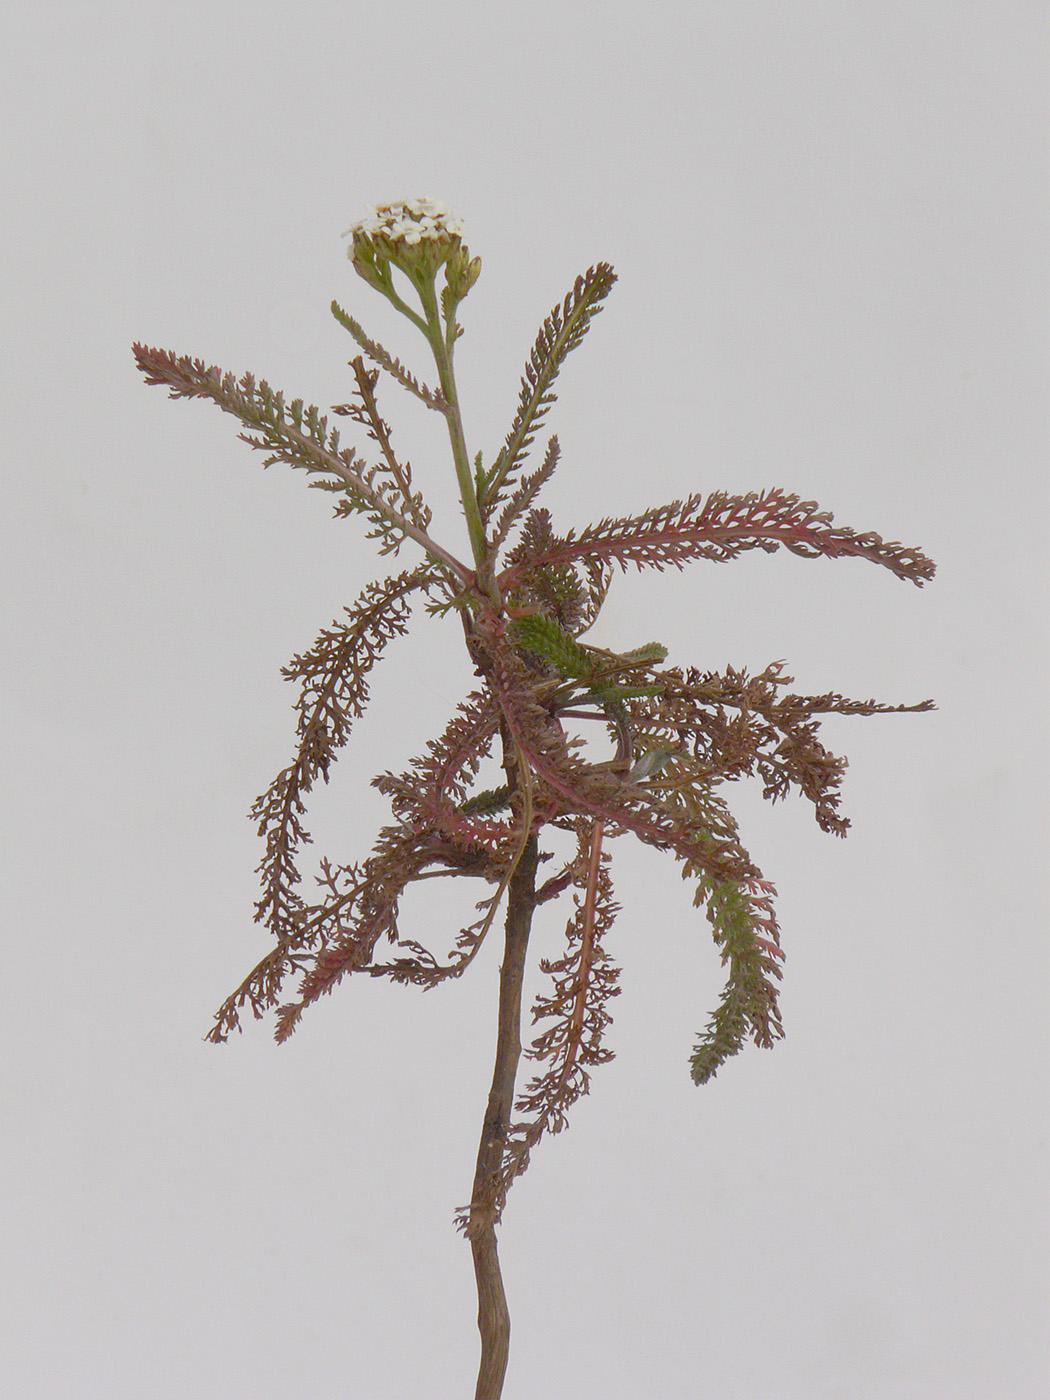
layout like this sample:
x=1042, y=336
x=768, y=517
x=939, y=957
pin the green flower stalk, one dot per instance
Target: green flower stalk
x=677, y=737
x=419, y=237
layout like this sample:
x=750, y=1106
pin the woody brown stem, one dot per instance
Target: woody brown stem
x=493, y=1316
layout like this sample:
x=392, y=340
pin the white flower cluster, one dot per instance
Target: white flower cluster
x=409, y=221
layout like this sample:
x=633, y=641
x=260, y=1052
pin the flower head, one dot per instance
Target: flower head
x=417, y=236
x=408, y=221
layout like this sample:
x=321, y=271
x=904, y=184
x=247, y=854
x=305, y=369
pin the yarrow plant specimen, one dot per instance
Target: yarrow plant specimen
x=526, y=597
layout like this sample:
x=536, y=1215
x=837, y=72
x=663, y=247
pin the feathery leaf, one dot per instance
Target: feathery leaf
x=433, y=398
x=560, y=334
x=527, y=490
x=299, y=436
x=719, y=529
x=334, y=692
x=585, y=980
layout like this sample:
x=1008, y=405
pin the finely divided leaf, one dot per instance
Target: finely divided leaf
x=334, y=692
x=584, y=980
x=527, y=490
x=560, y=334
x=433, y=398
x=298, y=435
x=720, y=528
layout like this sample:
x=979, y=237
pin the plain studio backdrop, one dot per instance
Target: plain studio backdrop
x=830, y=226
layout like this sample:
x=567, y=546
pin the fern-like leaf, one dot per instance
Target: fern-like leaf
x=736, y=725
x=433, y=398
x=348, y=926
x=745, y=930
x=740, y=911
x=544, y=637
x=720, y=528
x=433, y=793
x=299, y=436
x=528, y=489
x=560, y=334
x=584, y=981
x=566, y=785
x=334, y=692
x=573, y=593
x=365, y=411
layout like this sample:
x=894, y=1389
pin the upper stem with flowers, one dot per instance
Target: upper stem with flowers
x=419, y=237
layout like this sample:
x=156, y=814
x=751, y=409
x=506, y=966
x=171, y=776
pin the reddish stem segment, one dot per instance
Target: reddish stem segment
x=493, y=1315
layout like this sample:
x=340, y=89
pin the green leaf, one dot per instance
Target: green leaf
x=546, y=638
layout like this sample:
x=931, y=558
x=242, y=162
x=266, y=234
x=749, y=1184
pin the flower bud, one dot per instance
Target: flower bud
x=461, y=272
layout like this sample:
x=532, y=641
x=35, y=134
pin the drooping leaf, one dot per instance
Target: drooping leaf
x=333, y=693
x=584, y=980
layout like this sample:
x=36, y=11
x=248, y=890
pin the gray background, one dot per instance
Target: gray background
x=830, y=224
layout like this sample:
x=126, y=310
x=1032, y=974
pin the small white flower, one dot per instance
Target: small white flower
x=408, y=221
x=416, y=235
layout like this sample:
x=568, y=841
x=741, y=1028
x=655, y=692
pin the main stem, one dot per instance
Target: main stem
x=493, y=1315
